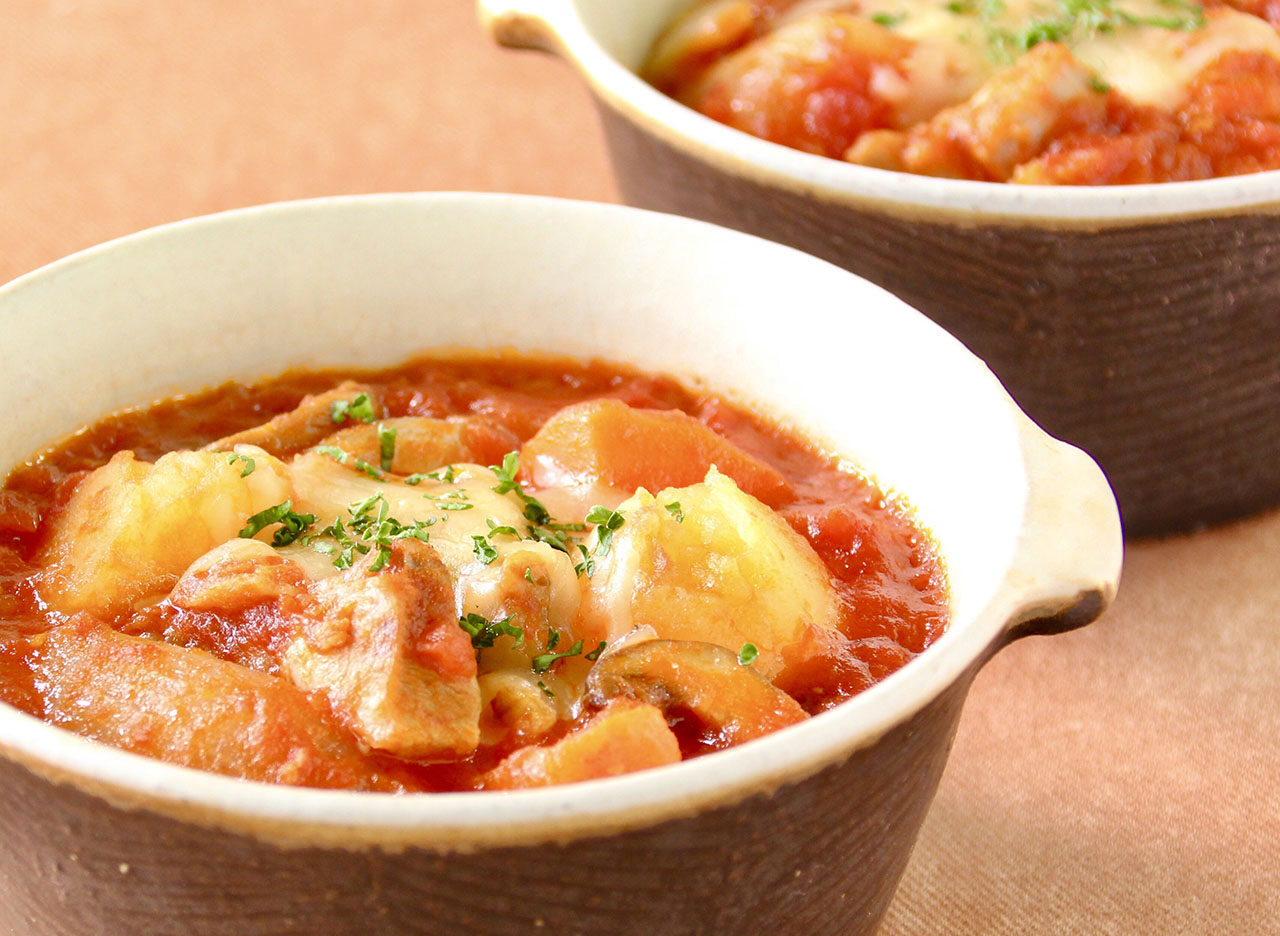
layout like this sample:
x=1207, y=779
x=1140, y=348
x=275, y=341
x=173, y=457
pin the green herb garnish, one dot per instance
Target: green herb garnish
x=386, y=445
x=248, y=464
x=545, y=661
x=484, y=632
x=484, y=549
x=342, y=456
x=747, y=655
x=448, y=474
x=888, y=20
x=607, y=523
x=292, y=524
x=361, y=408
x=673, y=508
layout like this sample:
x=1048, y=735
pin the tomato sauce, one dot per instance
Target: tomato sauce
x=890, y=582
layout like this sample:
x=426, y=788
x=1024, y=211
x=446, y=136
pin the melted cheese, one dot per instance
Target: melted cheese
x=954, y=57
x=327, y=489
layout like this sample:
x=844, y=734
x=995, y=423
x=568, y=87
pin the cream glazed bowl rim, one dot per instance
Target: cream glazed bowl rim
x=1058, y=547
x=566, y=28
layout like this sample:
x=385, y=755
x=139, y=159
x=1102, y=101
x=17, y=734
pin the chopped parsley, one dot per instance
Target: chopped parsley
x=496, y=530
x=673, y=508
x=540, y=525
x=248, y=464
x=544, y=661
x=484, y=632
x=1075, y=21
x=361, y=408
x=888, y=20
x=370, y=527
x=342, y=456
x=292, y=524
x=747, y=655
x=454, y=500
x=545, y=691
x=448, y=474
x=484, y=549
x=415, y=479
x=386, y=445
x=607, y=523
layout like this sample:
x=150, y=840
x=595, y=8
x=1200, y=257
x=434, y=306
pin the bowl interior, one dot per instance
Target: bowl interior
x=374, y=280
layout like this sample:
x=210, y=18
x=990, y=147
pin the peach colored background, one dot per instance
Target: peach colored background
x=1121, y=780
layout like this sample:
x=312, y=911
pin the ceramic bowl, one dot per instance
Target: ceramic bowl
x=802, y=832
x=1139, y=322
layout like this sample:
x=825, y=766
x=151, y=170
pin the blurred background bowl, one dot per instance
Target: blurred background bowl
x=1138, y=322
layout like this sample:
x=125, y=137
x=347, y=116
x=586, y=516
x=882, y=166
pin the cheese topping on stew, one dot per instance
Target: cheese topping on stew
x=1007, y=90
x=455, y=575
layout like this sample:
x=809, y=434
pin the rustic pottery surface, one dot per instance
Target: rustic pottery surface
x=1117, y=780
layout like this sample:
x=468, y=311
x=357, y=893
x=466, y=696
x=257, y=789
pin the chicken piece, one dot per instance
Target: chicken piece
x=1010, y=120
x=383, y=646
x=603, y=450
x=131, y=528
x=237, y=601
x=302, y=427
x=816, y=83
x=236, y=576
x=386, y=649
x=623, y=738
x=423, y=444
x=731, y=701
x=187, y=707
x=720, y=567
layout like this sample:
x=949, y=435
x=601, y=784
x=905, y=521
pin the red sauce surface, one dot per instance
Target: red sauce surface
x=890, y=582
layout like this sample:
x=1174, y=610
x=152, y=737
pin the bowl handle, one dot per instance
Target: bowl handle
x=1067, y=566
x=521, y=24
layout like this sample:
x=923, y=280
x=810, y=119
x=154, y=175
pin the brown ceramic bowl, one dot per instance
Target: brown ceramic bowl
x=803, y=832
x=1138, y=322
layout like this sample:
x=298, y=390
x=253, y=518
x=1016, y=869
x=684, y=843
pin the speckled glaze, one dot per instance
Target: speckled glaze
x=804, y=832
x=1138, y=322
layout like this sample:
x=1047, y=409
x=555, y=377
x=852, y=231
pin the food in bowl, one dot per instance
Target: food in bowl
x=1059, y=92
x=457, y=574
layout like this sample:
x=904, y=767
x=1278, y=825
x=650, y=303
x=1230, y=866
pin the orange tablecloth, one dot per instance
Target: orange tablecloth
x=1120, y=780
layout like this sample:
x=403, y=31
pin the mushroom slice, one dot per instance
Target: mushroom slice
x=731, y=700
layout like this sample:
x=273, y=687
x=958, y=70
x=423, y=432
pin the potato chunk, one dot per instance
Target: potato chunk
x=623, y=738
x=383, y=646
x=187, y=707
x=386, y=649
x=131, y=528
x=606, y=449
x=729, y=572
